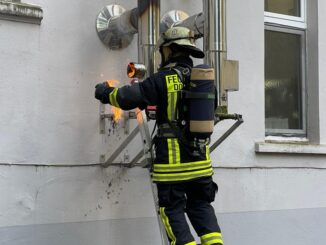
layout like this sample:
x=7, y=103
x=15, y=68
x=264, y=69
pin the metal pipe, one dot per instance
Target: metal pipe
x=215, y=39
x=148, y=33
x=135, y=70
x=180, y=18
x=116, y=27
x=125, y=23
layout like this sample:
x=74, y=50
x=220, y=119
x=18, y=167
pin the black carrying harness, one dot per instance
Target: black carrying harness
x=173, y=129
x=180, y=128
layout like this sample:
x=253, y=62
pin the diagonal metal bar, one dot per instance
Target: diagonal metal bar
x=135, y=160
x=121, y=147
x=228, y=132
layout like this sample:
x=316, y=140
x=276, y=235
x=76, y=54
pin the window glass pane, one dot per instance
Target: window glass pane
x=283, y=80
x=287, y=7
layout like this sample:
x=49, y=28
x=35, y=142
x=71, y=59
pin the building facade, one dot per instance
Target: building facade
x=271, y=171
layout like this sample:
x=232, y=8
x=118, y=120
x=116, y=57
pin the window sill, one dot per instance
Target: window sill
x=294, y=147
x=289, y=146
x=21, y=12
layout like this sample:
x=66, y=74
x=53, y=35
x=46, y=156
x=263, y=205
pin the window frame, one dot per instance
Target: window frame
x=297, y=26
x=288, y=20
x=294, y=132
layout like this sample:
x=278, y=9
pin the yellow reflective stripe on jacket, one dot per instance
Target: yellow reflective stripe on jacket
x=173, y=85
x=181, y=167
x=113, y=98
x=170, y=153
x=207, y=152
x=162, y=177
x=172, y=101
x=191, y=243
x=211, y=238
x=173, y=151
x=167, y=226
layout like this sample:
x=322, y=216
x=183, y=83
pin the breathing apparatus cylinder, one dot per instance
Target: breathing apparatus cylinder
x=201, y=102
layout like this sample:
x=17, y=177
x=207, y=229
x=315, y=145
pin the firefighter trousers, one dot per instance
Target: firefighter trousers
x=193, y=198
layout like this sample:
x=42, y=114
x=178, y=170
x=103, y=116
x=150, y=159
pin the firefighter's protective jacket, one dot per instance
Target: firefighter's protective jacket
x=175, y=160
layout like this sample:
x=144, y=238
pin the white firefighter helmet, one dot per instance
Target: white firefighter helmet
x=182, y=37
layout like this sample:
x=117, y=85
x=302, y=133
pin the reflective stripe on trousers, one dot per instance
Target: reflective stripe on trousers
x=211, y=238
x=169, y=230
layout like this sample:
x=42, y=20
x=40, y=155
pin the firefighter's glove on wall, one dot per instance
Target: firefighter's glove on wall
x=102, y=91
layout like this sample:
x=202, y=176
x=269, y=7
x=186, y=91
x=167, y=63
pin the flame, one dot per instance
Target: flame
x=112, y=83
x=116, y=112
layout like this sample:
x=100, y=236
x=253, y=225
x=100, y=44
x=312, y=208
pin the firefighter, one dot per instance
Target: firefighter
x=182, y=171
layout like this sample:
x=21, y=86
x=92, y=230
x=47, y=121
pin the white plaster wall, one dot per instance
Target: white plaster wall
x=48, y=73
x=242, y=190
x=322, y=71
x=47, y=84
x=42, y=195
x=49, y=116
x=245, y=42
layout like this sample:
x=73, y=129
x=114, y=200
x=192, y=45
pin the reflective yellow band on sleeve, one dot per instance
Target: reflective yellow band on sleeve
x=113, y=98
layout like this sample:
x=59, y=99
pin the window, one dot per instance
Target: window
x=285, y=69
x=291, y=8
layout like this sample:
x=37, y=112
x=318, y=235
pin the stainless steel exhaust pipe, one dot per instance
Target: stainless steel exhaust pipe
x=116, y=27
x=148, y=33
x=180, y=18
x=215, y=40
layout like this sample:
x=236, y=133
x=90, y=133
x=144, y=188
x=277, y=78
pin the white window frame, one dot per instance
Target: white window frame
x=296, y=132
x=292, y=25
x=288, y=20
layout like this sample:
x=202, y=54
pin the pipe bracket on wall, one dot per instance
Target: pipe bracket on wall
x=115, y=26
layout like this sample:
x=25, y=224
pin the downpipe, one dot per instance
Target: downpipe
x=216, y=56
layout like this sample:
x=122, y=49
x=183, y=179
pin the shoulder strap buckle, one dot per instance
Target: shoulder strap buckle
x=183, y=73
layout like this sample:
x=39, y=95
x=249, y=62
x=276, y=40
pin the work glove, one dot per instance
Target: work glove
x=102, y=91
